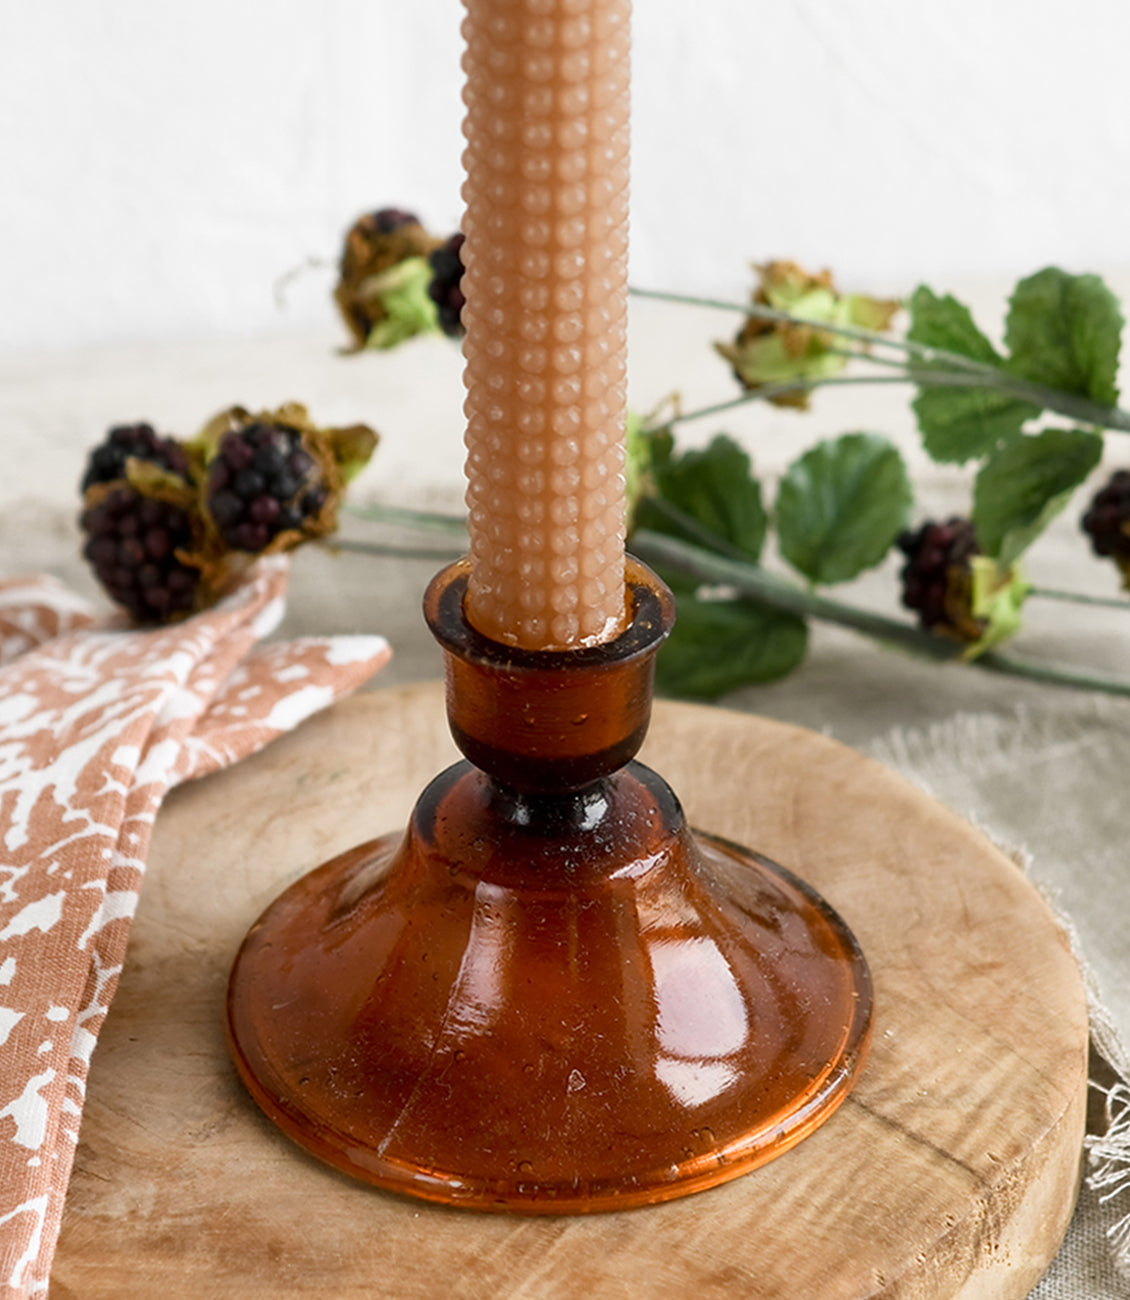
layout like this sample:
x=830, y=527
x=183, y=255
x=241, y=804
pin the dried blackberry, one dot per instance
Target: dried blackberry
x=132, y=543
x=1107, y=521
x=937, y=578
x=445, y=290
x=180, y=523
x=786, y=353
x=107, y=462
x=262, y=482
x=376, y=243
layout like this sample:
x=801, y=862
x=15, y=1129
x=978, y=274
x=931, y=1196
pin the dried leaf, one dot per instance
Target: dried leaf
x=768, y=353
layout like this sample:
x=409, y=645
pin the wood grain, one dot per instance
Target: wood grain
x=950, y=1172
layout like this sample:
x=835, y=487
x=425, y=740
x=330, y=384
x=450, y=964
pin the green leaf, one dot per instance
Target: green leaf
x=841, y=506
x=1025, y=484
x=706, y=497
x=959, y=424
x=803, y=298
x=945, y=323
x=1064, y=331
x=769, y=359
x=873, y=314
x=403, y=292
x=719, y=645
x=814, y=298
x=997, y=594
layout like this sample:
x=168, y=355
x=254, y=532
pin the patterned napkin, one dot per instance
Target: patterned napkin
x=96, y=725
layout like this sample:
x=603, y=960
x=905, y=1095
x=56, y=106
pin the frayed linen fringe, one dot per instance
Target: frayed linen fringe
x=984, y=743
x=1108, y=1153
x=1109, y=1158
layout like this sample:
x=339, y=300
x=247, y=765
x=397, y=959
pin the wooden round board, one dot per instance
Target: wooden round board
x=950, y=1171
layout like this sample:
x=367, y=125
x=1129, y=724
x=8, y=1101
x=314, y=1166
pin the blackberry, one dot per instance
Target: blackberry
x=386, y=220
x=263, y=482
x=374, y=244
x=1107, y=521
x=444, y=290
x=132, y=543
x=107, y=462
x=937, y=578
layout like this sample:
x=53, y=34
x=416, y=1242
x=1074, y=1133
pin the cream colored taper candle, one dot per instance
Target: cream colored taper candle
x=546, y=222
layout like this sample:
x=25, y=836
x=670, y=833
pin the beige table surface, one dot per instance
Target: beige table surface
x=1037, y=767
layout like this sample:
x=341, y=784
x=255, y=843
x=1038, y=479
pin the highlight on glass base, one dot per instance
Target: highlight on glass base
x=548, y=995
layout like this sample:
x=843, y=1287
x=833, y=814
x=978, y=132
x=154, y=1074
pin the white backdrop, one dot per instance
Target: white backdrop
x=161, y=165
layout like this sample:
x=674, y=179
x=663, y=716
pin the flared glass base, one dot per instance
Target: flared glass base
x=548, y=1004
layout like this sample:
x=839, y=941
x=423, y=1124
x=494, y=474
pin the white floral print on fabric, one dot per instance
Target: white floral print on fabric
x=96, y=725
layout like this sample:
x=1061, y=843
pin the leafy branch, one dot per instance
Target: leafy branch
x=703, y=517
x=789, y=598
x=847, y=502
x=948, y=368
x=708, y=563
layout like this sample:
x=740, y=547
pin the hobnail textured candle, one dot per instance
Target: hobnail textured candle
x=547, y=96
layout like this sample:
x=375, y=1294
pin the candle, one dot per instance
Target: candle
x=547, y=96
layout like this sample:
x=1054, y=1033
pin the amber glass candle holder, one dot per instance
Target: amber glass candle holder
x=548, y=995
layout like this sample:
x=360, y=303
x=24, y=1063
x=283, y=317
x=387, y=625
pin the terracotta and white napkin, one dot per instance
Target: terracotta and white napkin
x=96, y=725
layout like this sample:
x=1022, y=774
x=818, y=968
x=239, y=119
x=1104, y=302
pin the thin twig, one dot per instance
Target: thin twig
x=858, y=354
x=1075, y=408
x=1079, y=598
x=382, y=548
x=764, y=393
x=769, y=391
x=284, y=281
x=1050, y=674
x=871, y=337
x=427, y=520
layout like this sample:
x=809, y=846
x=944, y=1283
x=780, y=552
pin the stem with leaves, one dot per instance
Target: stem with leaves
x=845, y=503
x=704, y=564
x=936, y=368
x=778, y=593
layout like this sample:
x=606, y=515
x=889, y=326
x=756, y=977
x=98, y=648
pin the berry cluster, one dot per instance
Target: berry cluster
x=133, y=441
x=937, y=579
x=445, y=289
x=134, y=544
x=1107, y=521
x=369, y=294
x=169, y=526
x=263, y=482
